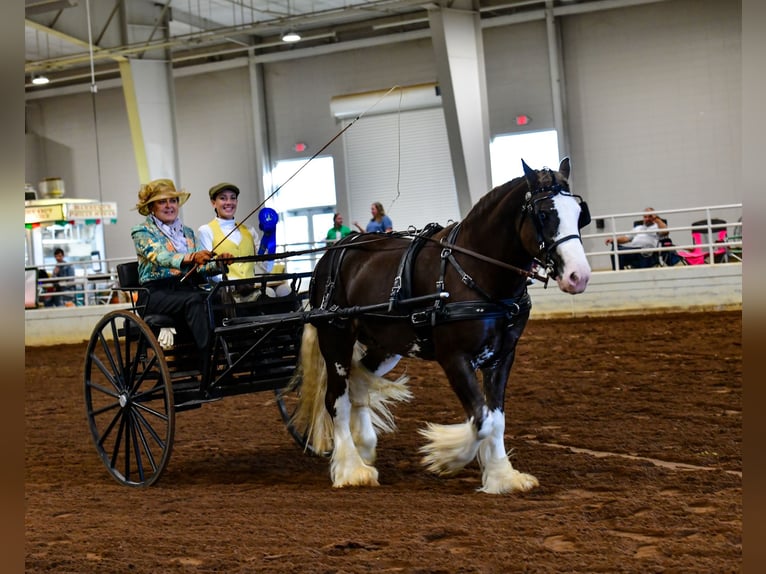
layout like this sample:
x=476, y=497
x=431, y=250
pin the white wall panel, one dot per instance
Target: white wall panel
x=412, y=179
x=654, y=105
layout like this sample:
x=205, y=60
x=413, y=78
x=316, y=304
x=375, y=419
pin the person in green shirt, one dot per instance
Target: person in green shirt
x=338, y=230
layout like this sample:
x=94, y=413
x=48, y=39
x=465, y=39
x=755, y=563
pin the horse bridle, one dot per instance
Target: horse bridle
x=531, y=208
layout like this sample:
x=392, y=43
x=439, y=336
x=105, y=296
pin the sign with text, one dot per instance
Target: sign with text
x=39, y=213
x=106, y=210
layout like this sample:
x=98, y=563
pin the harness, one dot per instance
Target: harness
x=424, y=319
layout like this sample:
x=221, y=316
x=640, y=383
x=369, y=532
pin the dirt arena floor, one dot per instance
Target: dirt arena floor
x=632, y=425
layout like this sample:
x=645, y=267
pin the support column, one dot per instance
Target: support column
x=148, y=90
x=557, y=79
x=459, y=50
x=264, y=181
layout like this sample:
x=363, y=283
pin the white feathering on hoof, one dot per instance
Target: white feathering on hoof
x=499, y=477
x=311, y=415
x=377, y=393
x=449, y=448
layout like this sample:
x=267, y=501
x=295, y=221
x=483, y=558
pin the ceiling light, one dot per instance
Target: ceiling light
x=291, y=36
x=40, y=80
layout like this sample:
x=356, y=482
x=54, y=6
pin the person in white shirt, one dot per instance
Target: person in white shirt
x=646, y=235
x=241, y=242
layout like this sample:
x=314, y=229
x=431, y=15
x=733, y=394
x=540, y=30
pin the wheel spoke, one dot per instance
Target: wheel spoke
x=145, y=443
x=134, y=432
x=107, y=431
x=117, y=442
x=115, y=376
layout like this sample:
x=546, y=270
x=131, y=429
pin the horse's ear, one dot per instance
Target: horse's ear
x=530, y=174
x=564, y=167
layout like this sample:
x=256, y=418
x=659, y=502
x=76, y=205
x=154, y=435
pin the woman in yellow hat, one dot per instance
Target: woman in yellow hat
x=167, y=250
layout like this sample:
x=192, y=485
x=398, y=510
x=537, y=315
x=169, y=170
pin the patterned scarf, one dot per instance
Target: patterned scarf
x=174, y=232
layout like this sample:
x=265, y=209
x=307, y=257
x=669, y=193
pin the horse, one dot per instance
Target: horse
x=455, y=295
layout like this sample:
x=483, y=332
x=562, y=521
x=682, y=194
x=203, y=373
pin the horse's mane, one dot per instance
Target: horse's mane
x=489, y=202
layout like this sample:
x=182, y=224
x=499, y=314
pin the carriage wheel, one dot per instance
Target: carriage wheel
x=129, y=399
x=287, y=402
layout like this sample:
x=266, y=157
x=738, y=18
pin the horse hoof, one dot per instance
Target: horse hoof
x=514, y=482
x=362, y=476
x=526, y=482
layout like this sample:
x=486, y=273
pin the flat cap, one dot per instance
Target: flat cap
x=216, y=189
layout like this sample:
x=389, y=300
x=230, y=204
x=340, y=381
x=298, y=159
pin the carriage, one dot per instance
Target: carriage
x=456, y=295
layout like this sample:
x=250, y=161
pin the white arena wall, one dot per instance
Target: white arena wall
x=656, y=290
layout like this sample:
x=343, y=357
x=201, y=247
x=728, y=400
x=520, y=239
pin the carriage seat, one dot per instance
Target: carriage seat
x=127, y=276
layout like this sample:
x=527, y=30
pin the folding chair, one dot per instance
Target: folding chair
x=701, y=252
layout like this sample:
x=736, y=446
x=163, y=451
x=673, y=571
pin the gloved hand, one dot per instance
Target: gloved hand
x=165, y=338
x=201, y=257
x=225, y=258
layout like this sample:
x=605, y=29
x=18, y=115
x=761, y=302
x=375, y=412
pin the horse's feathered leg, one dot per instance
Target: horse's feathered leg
x=347, y=466
x=452, y=447
x=498, y=475
x=370, y=397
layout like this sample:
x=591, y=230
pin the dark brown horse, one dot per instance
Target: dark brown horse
x=456, y=295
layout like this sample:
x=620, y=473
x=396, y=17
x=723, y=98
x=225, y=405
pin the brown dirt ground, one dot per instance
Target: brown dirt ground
x=632, y=425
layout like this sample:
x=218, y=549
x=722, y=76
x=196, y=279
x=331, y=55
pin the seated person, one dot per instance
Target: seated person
x=167, y=250
x=46, y=289
x=647, y=235
x=223, y=232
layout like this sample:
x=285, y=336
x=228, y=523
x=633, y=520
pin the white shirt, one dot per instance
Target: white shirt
x=205, y=237
x=647, y=236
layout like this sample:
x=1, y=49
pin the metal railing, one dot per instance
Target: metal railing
x=91, y=287
x=614, y=225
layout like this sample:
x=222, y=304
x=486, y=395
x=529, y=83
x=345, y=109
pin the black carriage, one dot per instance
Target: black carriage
x=134, y=387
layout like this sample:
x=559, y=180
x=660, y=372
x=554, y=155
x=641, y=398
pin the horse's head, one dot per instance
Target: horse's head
x=556, y=216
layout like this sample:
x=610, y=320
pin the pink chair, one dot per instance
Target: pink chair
x=701, y=252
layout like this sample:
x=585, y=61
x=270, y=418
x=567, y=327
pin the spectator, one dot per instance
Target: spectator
x=62, y=269
x=379, y=223
x=645, y=235
x=46, y=289
x=338, y=230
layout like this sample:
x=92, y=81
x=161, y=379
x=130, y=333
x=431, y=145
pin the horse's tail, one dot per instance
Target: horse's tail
x=365, y=388
x=311, y=416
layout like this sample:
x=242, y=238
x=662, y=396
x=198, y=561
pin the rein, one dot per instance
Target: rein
x=531, y=199
x=402, y=235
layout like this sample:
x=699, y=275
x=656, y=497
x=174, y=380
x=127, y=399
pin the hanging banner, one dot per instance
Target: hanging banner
x=107, y=210
x=40, y=213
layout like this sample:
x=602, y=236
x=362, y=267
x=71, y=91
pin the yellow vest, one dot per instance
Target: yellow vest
x=246, y=247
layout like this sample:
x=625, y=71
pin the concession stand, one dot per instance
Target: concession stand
x=74, y=225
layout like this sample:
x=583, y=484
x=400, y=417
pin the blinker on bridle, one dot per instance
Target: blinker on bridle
x=532, y=200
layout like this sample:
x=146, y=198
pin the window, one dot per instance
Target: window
x=538, y=149
x=304, y=204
